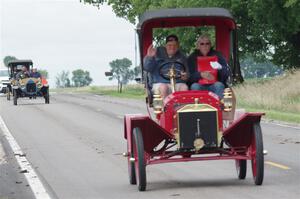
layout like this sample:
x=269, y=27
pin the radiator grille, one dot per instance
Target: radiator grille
x=31, y=87
x=191, y=123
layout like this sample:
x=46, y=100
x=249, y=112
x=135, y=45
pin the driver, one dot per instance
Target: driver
x=155, y=58
x=24, y=73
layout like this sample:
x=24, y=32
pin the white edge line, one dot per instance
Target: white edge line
x=282, y=125
x=2, y=156
x=32, y=178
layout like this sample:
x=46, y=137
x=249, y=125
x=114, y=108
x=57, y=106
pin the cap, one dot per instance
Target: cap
x=171, y=38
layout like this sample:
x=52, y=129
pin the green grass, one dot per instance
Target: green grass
x=274, y=114
x=278, y=97
x=135, y=92
x=128, y=91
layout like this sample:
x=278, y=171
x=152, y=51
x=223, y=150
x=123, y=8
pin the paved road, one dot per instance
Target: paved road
x=75, y=144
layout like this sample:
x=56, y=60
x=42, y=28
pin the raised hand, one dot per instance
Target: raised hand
x=151, y=52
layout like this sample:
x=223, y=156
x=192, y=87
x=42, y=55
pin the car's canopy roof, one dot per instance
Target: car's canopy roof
x=15, y=65
x=183, y=17
x=20, y=62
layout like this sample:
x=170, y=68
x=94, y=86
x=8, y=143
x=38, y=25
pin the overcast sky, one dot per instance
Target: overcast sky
x=65, y=35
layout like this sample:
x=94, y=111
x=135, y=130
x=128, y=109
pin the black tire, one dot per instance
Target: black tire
x=258, y=157
x=15, y=97
x=241, y=168
x=47, y=97
x=7, y=93
x=140, y=167
x=131, y=168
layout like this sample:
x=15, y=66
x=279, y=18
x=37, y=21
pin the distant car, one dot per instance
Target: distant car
x=4, y=80
x=25, y=86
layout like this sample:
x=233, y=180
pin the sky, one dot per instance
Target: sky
x=65, y=35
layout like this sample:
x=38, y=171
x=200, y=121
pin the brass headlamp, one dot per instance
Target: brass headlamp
x=22, y=82
x=227, y=100
x=39, y=83
x=157, y=103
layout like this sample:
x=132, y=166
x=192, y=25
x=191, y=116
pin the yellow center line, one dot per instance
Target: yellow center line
x=277, y=165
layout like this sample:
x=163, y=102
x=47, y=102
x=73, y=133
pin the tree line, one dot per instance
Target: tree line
x=123, y=71
x=79, y=78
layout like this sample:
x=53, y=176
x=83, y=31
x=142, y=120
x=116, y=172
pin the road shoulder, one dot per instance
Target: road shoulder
x=12, y=183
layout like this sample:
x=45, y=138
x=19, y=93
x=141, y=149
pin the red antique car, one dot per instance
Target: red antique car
x=192, y=125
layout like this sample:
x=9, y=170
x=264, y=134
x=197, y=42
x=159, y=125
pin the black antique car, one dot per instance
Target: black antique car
x=24, y=85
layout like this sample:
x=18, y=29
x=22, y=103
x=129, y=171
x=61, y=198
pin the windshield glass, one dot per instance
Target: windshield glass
x=3, y=73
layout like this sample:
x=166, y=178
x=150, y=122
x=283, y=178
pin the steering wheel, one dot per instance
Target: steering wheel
x=165, y=67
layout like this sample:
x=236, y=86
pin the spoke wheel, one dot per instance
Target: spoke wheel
x=241, y=168
x=257, y=155
x=140, y=167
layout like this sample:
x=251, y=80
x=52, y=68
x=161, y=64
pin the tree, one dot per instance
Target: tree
x=8, y=59
x=269, y=29
x=137, y=71
x=44, y=73
x=63, y=80
x=81, y=78
x=121, y=71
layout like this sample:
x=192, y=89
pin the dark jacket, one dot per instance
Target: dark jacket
x=152, y=64
x=35, y=75
x=223, y=74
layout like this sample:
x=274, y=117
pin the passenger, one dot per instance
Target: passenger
x=156, y=57
x=35, y=73
x=24, y=73
x=203, y=48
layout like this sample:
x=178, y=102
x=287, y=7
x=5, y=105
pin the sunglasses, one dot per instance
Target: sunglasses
x=202, y=44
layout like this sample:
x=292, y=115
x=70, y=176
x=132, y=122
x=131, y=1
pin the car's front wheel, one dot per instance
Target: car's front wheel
x=15, y=97
x=47, y=97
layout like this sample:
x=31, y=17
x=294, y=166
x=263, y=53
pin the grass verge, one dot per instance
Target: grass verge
x=275, y=114
x=128, y=91
x=278, y=97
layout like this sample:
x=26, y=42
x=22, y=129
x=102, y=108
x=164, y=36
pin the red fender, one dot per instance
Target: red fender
x=152, y=133
x=239, y=133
